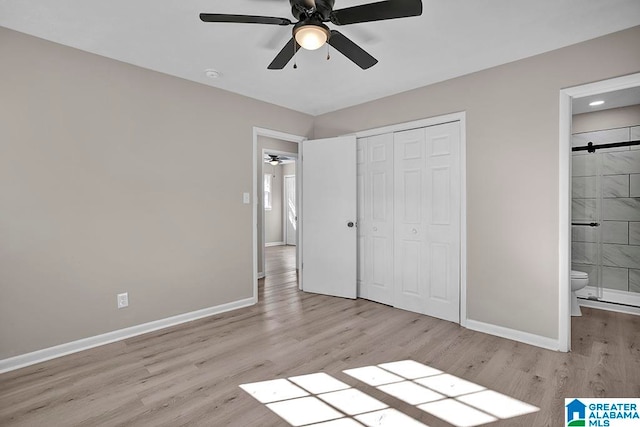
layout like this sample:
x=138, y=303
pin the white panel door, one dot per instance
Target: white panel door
x=376, y=221
x=329, y=216
x=442, y=221
x=427, y=220
x=410, y=258
x=290, y=211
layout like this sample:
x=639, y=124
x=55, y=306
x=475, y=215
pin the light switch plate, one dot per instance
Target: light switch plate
x=246, y=198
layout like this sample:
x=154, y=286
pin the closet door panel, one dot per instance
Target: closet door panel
x=439, y=273
x=379, y=217
x=442, y=231
x=411, y=259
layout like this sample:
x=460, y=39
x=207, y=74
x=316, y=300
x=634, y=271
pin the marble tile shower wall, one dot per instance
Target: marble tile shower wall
x=620, y=224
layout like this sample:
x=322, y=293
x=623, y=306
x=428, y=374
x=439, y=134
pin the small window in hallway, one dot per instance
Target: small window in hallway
x=267, y=192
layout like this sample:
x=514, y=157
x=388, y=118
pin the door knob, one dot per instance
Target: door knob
x=350, y=224
x=414, y=231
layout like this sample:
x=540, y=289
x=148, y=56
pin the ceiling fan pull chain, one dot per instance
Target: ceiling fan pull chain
x=328, y=55
x=295, y=45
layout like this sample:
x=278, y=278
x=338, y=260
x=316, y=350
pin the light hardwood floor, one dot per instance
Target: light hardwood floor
x=190, y=374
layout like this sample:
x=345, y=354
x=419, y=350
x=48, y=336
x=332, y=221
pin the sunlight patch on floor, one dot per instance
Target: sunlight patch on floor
x=373, y=375
x=352, y=401
x=303, y=411
x=457, y=413
x=320, y=400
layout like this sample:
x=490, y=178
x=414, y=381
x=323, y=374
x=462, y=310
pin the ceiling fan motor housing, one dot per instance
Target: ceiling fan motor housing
x=323, y=8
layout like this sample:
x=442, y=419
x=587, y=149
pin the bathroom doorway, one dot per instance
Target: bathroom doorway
x=600, y=197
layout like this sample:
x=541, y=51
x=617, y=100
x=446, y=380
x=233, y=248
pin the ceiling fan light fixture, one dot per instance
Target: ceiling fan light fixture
x=274, y=162
x=311, y=36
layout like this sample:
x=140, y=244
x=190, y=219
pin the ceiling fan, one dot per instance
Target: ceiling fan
x=311, y=33
x=274, y=159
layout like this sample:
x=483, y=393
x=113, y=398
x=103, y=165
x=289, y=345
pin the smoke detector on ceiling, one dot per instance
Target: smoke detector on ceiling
x=212, y=74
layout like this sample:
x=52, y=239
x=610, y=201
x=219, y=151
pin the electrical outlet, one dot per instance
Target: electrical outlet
x=123, y=300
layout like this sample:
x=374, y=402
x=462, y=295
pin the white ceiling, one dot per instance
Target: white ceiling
x=451, y=38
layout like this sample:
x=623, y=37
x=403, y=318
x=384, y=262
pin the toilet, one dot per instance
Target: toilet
x=579, y=279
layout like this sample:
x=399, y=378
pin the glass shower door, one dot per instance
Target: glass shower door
x=587, y=221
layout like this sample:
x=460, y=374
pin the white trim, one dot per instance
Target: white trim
x=258, y=131
x=268, y=245
x=463, y=219
x=38, y=356
x=432, y=121
x=564, y=224
x=564, y=246
x=512, y=334
x=416, y=124
x=602, y=305
x=260, y=275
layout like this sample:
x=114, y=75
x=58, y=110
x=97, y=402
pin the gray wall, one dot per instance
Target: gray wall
x=289, y=169
x=110, y=181
x=512, y=169
x=114, y=178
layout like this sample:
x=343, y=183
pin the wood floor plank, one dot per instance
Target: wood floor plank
x=189, y=375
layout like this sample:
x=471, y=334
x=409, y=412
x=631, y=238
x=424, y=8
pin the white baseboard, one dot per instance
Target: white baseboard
x=512, y=334
x=43, y=355
x=266, y=245
x=602, y=305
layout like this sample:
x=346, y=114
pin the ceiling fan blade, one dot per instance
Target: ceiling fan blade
x=285, y=55
x=244, y=19
x=351, y=50
x=379, y=11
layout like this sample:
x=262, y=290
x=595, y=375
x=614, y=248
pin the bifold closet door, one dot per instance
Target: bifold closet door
x=427, y=220
x=375, y=218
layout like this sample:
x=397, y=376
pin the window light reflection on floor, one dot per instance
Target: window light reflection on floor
x=319, y=383
x=388, y=418
x=342, y=422
x=449, y=385
x=410, y=392
x=352, y=401
x=457, y=413
x=320, y=400
x=373, y=375
x=304, y=410
x=410, y=369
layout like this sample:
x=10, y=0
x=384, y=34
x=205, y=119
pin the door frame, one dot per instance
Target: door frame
x=269, y=133
x=285, y=234
x=263, y=171
x=564, y=193
x=433, y=121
